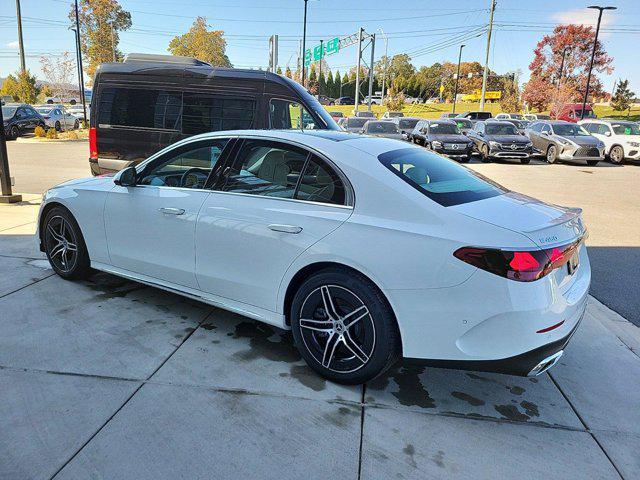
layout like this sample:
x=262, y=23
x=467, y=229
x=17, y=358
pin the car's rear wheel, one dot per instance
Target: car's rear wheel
x=76, y=124
x=58, y=127
x=592, y=163
x=344, y=327
x=616, y=155
x=64, y=245
x=552, y=153
x=14, y=133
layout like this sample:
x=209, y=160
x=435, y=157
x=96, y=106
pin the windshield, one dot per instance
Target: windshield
x=515, y=123
x=382, y=127
x=440, y=179
x=408, y=124
x=626, y=128
x=356, y=122
x=8, y=112
x=517, y=116
x=315, y=105
x=543, y=117
x=501, y=129
x=44, y=110
x=444, y=128
x=463, y=123
x=587, y=114
x=569, y=130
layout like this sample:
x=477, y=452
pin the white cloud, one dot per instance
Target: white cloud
x=13, y=45
x=585, y=16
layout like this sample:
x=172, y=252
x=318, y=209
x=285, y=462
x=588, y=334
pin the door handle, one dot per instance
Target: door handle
x=285, y=228
x=171, y=211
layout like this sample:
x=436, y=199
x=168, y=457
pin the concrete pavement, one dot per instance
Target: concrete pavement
x=112, y=379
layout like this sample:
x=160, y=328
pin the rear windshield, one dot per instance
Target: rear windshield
x=588, y=113
x=444, y=128
x=382, y=127
x=483, y=115
x=442, y=180
x=356, y=122
x=408, y=124
x=8, y=112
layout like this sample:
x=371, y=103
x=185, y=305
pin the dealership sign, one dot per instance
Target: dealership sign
x=318, y=52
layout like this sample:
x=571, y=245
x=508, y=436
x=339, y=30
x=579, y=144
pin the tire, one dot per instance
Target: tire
x=552, y=154
x=60, y=233
x=592, y=163
x=348, y=353
x=525, y=161
x=72, y=102
x=76, y=125
x=616, y=155
x=484, y=154
x=14, y=133
x=58, y=127
x=465, y=159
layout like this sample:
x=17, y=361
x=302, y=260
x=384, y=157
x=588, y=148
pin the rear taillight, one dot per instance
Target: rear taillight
x=93, y=144
x=522, y=265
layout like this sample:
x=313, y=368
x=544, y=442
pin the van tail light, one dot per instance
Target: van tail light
x=521, y=265
x=93, y=144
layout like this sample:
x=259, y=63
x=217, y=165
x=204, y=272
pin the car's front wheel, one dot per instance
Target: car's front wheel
x=616, y=155
x=344, y=327
x=552, y=154
x=64, y=245
x=484, y=154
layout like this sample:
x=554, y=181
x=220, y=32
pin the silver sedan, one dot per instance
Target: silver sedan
x=57, y=117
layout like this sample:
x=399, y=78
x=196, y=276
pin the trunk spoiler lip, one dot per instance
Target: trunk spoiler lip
x=570, y=215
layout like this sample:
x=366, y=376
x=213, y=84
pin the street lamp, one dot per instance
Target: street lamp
x=304, y=39
x=593, y=54
x=455, y=92
x=386, y=62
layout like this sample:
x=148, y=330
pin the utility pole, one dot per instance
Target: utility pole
x=79, y=47
x=593, y=54
x=320, y=69
x=486, y=61
x=304, y=41
x=373, y=46
x=386, y=62
x=6, y=195
x=455, y=92
x=23, y=67
x=357, y=99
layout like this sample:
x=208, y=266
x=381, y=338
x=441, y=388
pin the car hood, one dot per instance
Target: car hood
x=508, y=138
x=395, y=136
x=544, y=224
x=86, y=181
x=446, y=137
x=583, y=141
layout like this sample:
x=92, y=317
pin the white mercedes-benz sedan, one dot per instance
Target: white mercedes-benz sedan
x=368, y=249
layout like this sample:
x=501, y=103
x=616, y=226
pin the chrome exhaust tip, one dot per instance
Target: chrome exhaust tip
x=545, y=364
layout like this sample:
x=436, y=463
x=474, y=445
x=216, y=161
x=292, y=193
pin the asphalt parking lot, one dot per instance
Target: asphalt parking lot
x=111, y=379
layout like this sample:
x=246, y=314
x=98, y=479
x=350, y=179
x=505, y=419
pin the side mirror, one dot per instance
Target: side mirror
x=126, y=178
x=544, y=134
x=608, y=134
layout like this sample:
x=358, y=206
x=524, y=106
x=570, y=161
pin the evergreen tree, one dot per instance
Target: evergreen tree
x=279, y=71
x=329, y=86
x=322, y=84
x=336, y=85
x=622, y=97
x=346, y=92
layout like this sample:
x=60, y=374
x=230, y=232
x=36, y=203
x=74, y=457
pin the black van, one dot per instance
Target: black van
x=147, y=102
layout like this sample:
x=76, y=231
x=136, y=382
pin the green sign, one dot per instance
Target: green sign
x=319, y=51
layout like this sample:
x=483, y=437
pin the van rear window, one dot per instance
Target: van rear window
x=136, y=107
x=209, y=113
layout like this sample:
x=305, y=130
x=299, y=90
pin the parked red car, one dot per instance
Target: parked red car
x=572, y=112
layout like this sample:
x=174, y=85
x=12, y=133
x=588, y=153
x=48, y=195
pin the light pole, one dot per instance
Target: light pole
x=455, y=92
x=386, y=62
x=304, y=40
x=6, y=195
x=79, y=48
x=593, y=54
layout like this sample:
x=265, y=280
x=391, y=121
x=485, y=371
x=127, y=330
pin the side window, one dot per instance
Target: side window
x=31, y=112
x=320, y=183
x=266, y=168
x=188, y=166
x=603, y=129
x=136, y=107
x=289, y=115
x=212, y=113
x=536, y=127
x=545, y=129
x=21, y=113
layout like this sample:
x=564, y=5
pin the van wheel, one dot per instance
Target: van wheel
x=616, y=155
x=344, y=327
x=552, y=153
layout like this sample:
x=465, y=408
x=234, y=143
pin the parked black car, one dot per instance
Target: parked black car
x=560, y=140
x=464, y=124
x=345, y=101
x=148, y=102
x=475, y=116
x=500, y=139
x=443, y=136
x=405, y=125
x=20, y=118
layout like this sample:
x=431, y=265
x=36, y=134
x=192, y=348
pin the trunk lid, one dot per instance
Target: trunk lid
x=544, y=224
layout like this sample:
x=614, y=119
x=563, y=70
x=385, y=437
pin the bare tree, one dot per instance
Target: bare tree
x=59, y=72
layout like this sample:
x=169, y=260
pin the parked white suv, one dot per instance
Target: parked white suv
x=621, y=138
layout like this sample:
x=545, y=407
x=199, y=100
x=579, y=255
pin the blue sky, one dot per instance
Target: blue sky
x=429, y=31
